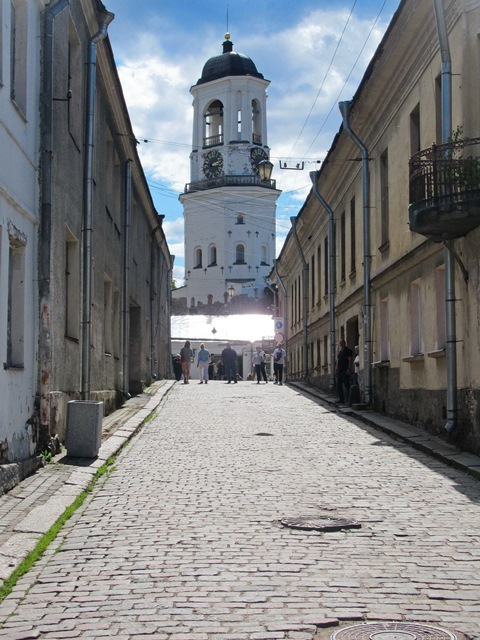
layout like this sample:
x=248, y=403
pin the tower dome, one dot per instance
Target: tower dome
x=229, y=63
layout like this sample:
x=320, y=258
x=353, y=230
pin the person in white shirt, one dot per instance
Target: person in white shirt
x=258, y=361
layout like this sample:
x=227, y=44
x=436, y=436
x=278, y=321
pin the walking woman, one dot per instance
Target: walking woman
x=202, y=363
x=186, y=357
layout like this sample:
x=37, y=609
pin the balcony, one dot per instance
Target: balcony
x=229, y=181
x=445, y=190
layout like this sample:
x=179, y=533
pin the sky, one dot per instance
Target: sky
x=313, y=52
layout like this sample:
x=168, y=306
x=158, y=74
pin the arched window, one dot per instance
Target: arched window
x=256, y=123
x=264, y=254
x=240, y=218
x=213, y=133
x=240, y=254
x=212, y=256
x=198, y=258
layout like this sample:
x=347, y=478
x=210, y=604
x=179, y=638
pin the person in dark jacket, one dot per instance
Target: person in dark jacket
x=229, y=358
x=177, y=367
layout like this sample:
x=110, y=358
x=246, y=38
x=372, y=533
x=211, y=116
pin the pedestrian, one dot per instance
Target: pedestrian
x=229, y=358
x=177, y=367
x=202, y=363
x=279, y=356
x=186, y=355
x=356, y=365
x=258, y=361
x=211, y=367
x=344, y=370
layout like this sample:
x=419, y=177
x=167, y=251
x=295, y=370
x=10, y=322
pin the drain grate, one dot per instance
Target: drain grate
x=392, y=631
x=316, y=523
x=264, y=433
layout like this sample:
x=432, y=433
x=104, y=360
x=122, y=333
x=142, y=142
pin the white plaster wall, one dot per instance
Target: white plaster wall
x=19, y=215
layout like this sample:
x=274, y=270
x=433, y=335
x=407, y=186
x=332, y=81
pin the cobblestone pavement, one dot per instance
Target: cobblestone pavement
x=183, y=539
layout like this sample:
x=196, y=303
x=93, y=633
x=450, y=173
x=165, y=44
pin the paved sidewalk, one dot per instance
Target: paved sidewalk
x=415, y=436
x=33, y=506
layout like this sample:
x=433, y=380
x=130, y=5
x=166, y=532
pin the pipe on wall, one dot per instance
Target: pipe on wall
x=331, y=273
x=45, y=235
x=105, y=19
x=345, y=111
x=127, y=215
x=304, y=297
x=450, y=315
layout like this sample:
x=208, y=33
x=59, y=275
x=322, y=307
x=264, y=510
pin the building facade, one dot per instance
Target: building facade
x=19, y=219
x=85, y=271
x=381, y=264
x=229, y=210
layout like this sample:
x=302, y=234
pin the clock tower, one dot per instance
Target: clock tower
x=229, y=206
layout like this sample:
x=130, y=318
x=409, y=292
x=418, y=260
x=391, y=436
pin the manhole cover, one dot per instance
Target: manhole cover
x=315, y=523
x=392, y=631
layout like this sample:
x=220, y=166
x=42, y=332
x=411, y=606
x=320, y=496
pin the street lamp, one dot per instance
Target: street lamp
x=231, y=292
x=265, y=168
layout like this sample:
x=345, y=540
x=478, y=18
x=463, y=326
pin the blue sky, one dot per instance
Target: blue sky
x=313, y=52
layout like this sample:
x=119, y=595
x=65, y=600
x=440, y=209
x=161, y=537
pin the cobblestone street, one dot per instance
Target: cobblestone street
x=183, y=539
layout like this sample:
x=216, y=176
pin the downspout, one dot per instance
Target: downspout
x=126, y=278
x=45, y=231
x=345, y=111
x=305, y=299
x=331, y=274
x=153, y=345
x=451, y=337
x=274, y=292
x=285, y=297
x=169, y=366
x=104, y=19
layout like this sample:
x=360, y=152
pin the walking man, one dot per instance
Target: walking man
x=344, y=370
x=279, y=356
x=229, y=357
x=258, y=361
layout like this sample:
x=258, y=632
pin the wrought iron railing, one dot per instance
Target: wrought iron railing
x=229, y=181
x=445, y=171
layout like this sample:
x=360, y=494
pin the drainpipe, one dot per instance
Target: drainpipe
x=284, y=315
x=304, y=296
x=345, y=111
x=274, y=292
x=451, y=338
x=331, y=273
x=45, y=239
x=153, y=345
x=126, y=278
x=105, y=19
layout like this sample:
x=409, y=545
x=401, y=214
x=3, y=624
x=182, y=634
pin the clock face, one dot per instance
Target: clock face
x=213, y=164
x=257, y=154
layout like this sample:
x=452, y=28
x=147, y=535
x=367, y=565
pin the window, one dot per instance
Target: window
x=319, y=353
x=384, y=198
x=240, y=219
x=438, y=109
x=312, y=280
x=16, y=304
x=319, y=273
x=384, y=331
x=264, y=255
x=107, y=314
x=240, y=254
x=440, y=300
x=198, y=258
x=325, y=266
x=353, y=246
x=213, y=134
x=18, y=54
x=342, y=248
x=416, y=346
x=72, y=287
x=212, y=256
x=75, y=86
x=415, y=130
x=256, y=123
